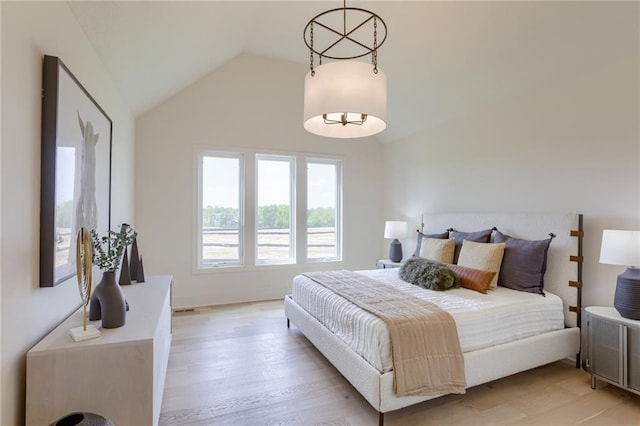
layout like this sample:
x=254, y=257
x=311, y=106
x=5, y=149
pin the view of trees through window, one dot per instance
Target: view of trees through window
x=221, y=204
x=273, y=216
x=220, y=228
x=275, y=234
x=323, y=208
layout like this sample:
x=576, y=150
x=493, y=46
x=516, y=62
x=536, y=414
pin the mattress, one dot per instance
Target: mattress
x=482, y=320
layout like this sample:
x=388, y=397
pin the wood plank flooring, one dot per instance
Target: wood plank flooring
x=240, y=365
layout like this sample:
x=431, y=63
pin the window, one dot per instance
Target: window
x=275, y=188
x=220, y=204
x=285, y=208
x=324, y=198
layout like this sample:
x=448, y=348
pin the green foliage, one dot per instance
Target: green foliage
x=321, y=217
x=273, y=217
x=269, y=217
x=64, y=213
x=220, y=217
x=115, y=243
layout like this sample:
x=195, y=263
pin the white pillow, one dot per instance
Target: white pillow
x=483, y=256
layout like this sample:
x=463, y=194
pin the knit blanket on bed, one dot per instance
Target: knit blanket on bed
x=427, y=359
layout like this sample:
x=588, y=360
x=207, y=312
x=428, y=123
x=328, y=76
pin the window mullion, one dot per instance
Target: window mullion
x=301, y=209
x=250, y=202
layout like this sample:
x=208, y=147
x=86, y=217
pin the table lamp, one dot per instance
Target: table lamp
x=623, y=248
x=395, y=230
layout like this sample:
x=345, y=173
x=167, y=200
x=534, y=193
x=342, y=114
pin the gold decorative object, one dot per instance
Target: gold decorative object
x=84, y=254
x=84, y=271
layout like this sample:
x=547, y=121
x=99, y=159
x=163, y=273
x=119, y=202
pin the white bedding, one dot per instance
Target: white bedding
x=482, y=320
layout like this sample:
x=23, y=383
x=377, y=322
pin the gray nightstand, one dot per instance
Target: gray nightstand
x=386, y=264
x=613, y=348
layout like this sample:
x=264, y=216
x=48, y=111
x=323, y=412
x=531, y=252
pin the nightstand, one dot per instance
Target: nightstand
x=386, y=264
x=614, y=348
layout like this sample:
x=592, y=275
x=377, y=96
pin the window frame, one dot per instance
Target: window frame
x=248, y=188
x=200, y=264
x=338, y=213
x=291, y=160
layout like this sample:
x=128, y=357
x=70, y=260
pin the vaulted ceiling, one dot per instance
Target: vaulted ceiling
x=443, y=59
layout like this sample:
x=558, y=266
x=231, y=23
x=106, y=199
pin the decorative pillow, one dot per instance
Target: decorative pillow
x=483, y=256
x=428, y=274
x=441, y=236
x=478, y=237
x=438, y=250
x=473, y=279
x=524, y=263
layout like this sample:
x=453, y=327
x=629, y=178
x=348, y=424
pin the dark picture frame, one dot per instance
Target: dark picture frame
x=75, y=170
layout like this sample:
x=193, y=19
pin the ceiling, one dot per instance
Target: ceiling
x=443, y=59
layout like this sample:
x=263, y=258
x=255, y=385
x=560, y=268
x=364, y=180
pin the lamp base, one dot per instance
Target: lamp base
x=627, y=298
x=395, y=251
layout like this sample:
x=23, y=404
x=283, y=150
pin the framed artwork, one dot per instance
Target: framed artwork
x=75, y=170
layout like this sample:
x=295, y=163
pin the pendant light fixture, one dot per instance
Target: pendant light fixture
x=345, y=98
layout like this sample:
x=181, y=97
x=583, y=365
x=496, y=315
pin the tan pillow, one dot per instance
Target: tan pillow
x=438, y=250
x=483, y=256
x=473, y=279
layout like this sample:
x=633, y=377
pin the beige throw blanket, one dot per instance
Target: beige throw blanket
x=427, y=359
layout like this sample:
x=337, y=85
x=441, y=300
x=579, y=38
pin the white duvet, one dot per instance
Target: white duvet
x=482, y=320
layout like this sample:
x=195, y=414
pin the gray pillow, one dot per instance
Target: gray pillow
x=524, y=263
x=428, y=274
x=477, y=237
x=441, y=236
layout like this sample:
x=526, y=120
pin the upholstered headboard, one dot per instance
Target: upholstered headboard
x=564, y=259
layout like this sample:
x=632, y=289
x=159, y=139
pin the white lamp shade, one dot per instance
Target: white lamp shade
x=395, y=229
x=345, y=87
x=620, y=247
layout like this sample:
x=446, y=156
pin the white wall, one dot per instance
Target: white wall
x=249, y=102
x=30, y=30
x=1, y=400
x=573, y=146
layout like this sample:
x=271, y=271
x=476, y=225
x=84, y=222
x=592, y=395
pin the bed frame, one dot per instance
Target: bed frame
x=563, y=278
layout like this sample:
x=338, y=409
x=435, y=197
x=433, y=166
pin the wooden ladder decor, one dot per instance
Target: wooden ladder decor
x=579, y=259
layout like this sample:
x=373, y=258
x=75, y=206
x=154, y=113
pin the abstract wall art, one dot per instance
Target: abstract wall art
x=75, y=170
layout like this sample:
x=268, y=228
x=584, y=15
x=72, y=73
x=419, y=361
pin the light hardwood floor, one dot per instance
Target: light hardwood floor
x=240, y=365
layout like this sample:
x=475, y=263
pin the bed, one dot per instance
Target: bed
x=354, y=340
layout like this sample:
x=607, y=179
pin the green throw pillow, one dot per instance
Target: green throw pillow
x=428, y=274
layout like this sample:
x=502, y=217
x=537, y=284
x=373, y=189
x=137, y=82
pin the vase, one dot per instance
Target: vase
x=107, y=302
x=82, y=419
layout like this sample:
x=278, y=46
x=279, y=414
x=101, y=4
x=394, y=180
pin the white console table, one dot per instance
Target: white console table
x=119, y=375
